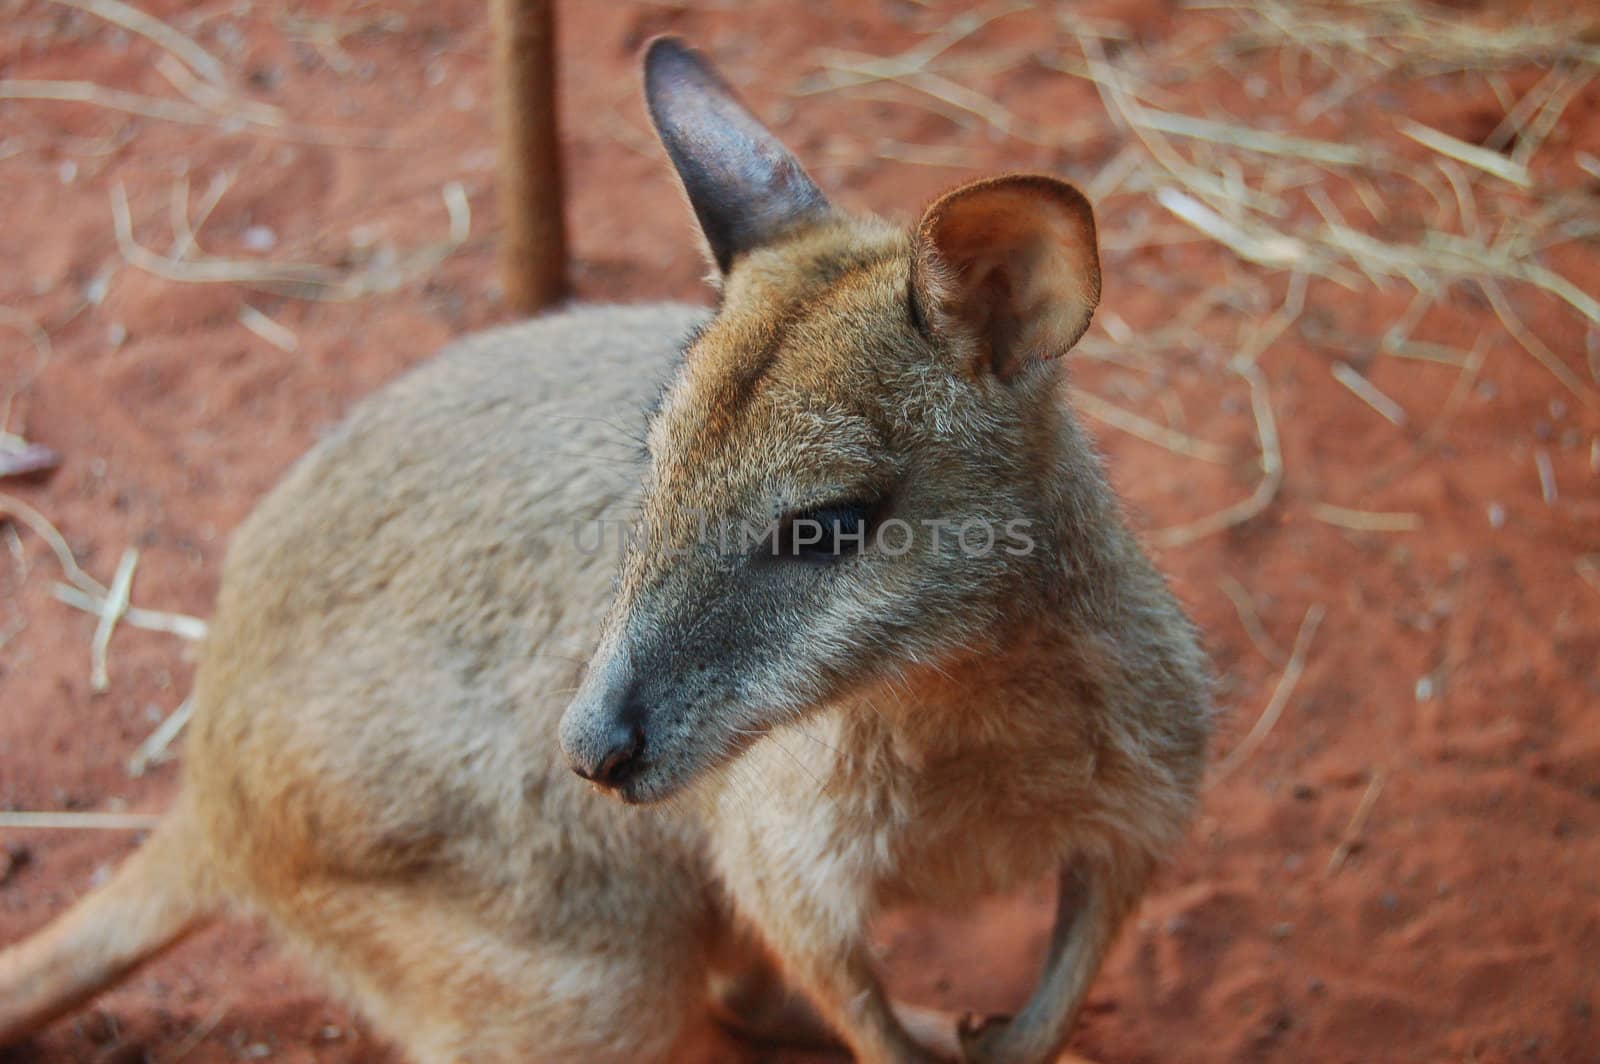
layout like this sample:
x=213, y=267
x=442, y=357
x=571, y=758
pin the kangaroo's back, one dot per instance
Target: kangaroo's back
x=403, y=617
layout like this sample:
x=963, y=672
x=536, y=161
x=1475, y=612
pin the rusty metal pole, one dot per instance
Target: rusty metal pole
x=533, y=238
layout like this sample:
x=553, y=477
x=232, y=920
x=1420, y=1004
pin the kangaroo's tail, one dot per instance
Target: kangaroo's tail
x=157, y=897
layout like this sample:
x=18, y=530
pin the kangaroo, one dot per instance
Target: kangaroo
x=523, y=790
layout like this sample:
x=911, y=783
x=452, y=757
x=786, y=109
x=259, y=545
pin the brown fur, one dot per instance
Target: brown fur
x=396, y=679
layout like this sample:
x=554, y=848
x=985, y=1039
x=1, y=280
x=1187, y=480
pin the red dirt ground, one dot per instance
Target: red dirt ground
x=1455, y=664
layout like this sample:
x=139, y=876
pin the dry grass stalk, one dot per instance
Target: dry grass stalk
x=30, y=328
x=1422, y=351
x=1490, y=162
x=219, y=101
x=154, y=749
x=176, y=44
x=19, y=821
x=299, y=280
x=912, y=69
x=278, y=335
x=192, y=629
x=1530, y=140
x=1281, y=692
x=1369, y=393
x=1351, y=840
x=1441, y=424
x=1241, y=136
x=86, y=593
x=1547, y=477
x=862, y=71
x=1367, y=520
x=39, y=525
x=915, y=59
x=12, y=630
x=1588, y=567
x=210, y=270
x=1519, y=113
x=257, y=117
x=953, y=157
x=185, y=232
x=1266, y=488
x=1271, y=249
x=1250, y=619
x=1535, y=346
x=1149, y=431
x=16, y=454
x=113, y=99
x=1245, y=365
x=1466, y=199
x=112, y=608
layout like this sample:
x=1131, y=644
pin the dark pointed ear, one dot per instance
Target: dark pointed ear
x=744, y=185
x=1012, y=263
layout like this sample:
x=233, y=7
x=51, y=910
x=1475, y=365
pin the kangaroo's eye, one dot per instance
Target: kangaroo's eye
x=824, y=534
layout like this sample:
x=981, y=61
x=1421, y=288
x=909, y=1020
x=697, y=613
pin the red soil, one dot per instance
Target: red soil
x=1455, y=665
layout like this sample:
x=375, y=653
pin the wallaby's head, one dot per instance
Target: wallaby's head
x=853, y=473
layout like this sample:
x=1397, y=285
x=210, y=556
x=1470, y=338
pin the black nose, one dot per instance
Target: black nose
x=622, y=758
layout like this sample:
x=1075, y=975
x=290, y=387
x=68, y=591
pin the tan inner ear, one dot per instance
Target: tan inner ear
x=1022, y=269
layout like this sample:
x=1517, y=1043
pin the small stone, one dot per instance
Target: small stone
x=98, y=1026
x=231, y=37
x=13, y=859
x=265, y=79
x=260, y=238
x=1424, y=690
x=1497, y=515
x=67, y=172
